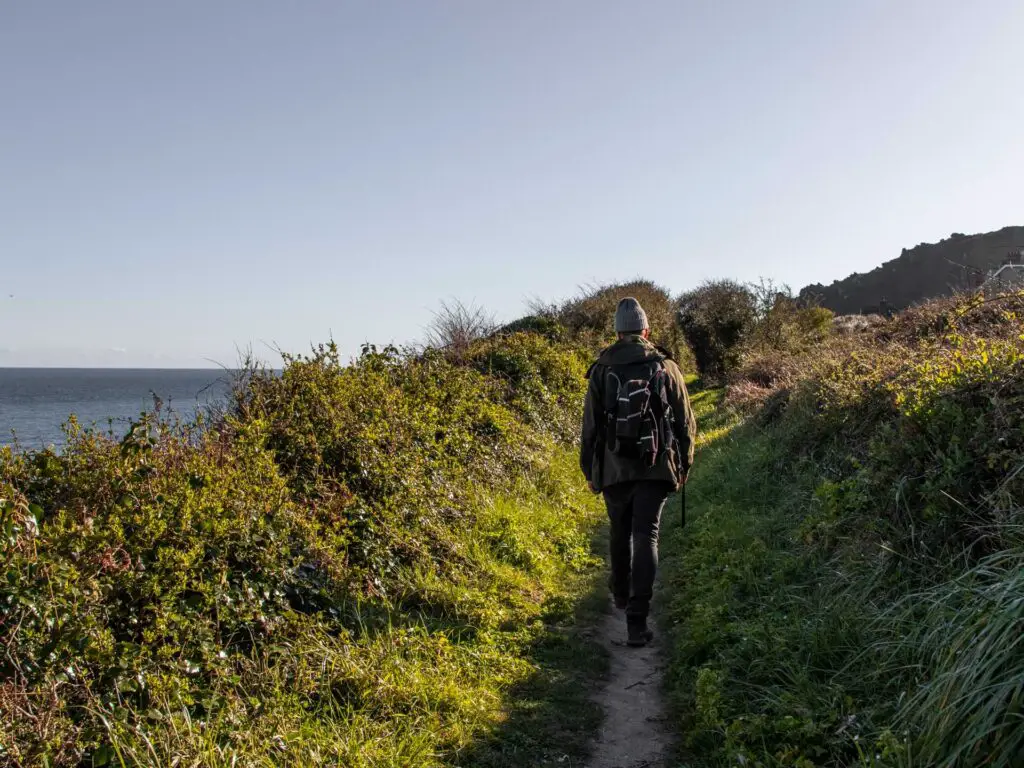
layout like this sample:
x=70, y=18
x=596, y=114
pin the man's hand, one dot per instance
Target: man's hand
x=590, y=485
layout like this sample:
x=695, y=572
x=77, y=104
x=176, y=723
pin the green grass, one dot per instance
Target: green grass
x=757, y=626
x=549, y=717
x=847, y=591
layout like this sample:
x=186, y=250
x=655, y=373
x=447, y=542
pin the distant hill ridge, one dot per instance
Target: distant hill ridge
x=926, y=271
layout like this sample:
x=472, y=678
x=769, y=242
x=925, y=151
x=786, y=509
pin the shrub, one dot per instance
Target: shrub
x=542, y=380
x=589, y=317
x=716, y=319
x=786, y=326
x=547, y=327
x=456, y=325
x=159, y=562
x=348, y=567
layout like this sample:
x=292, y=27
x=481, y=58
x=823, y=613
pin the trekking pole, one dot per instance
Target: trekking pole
x=682, y=522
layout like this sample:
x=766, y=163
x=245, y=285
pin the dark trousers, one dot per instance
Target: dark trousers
x=634, y=510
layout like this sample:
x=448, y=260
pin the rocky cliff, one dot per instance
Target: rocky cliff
x=926, y=271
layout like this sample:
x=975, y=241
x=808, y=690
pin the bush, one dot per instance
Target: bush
x=774, y=356
x=547, y=327
x=348, y=567
x=156, y=567
x=542, y=380
x=716, y=319
x=788, y=327
x=456, y=325
x=590, y=317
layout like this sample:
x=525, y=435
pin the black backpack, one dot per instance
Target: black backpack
x=638, y=412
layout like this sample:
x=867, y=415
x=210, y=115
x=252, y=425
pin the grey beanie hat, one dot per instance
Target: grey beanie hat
x=630, y=316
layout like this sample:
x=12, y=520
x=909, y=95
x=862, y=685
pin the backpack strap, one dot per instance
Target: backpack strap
x=664, y=415
x=659, y=394
x=612, y=384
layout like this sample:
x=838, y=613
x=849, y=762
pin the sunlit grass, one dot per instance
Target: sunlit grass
x=502, y=675
x=800, y=632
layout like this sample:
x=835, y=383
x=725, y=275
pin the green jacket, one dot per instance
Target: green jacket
x=603, y=468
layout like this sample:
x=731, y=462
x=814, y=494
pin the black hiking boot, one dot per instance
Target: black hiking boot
x=638, y=635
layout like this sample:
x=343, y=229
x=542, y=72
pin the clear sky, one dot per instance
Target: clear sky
x=179, y=179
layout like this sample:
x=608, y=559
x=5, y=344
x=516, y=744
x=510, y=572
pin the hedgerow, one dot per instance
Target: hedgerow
x=354, y=565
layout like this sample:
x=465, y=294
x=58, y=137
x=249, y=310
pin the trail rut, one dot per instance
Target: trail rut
x=634, y=734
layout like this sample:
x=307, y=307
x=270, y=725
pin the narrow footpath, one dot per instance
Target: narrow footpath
x=634, y=734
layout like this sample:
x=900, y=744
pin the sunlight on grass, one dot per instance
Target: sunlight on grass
x=847, y=589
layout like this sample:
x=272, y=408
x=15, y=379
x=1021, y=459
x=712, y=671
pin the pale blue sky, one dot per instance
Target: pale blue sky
x=181, y=178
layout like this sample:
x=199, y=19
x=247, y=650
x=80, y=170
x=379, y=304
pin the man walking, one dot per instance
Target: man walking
x=637, y=448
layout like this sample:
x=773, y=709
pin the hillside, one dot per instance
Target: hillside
x=927, y=271
x=848, y=590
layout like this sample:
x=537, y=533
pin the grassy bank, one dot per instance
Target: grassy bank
x=848, y=591
x=380, y=564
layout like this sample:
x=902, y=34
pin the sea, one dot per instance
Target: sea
x=35, y=402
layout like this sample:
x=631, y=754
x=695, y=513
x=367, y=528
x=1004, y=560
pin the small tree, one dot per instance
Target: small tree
x=715, y=320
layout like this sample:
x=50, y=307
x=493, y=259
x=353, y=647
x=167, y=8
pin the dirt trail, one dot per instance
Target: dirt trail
x=634, y=733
